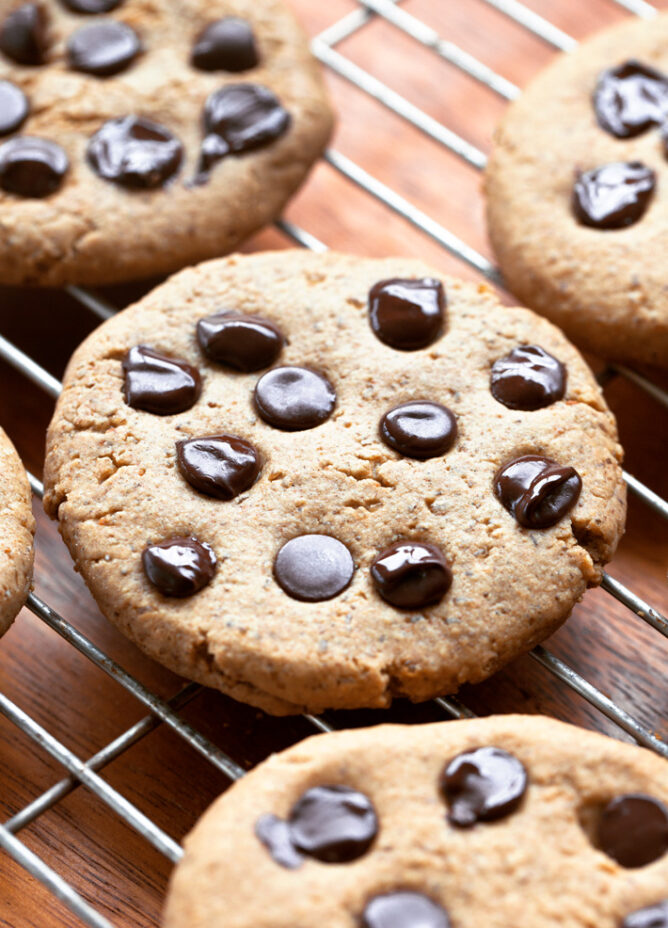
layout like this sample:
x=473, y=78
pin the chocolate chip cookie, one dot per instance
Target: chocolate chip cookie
x=323, y=481
x=577, y=189
x=137, y=137
x=17, y=527
x=513, y=820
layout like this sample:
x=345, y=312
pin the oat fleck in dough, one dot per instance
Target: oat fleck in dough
x=421, y=564
x=17, y=528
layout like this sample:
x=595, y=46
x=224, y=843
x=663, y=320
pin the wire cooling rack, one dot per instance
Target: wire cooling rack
x=86, y=772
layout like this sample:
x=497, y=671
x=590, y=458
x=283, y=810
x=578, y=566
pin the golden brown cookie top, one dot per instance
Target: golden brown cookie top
x=17, y=527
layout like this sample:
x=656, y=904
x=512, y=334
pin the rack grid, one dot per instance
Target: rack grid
x=166, y=712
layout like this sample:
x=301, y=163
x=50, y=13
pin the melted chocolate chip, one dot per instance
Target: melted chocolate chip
x=419, y=429
x=631, y=98
x=158, y=384
x=103, y=48
x=411, y=575
x=404, y=909
x=134, y=152
x=536, y=490
x=334, y=824
x=247, y=343
x=274, y=833
x=222, y=466
x=652, y=916
x=91, y=6
x=225, y=45
x=482, y=785
x=294, y=398
x=528, y=378
x=14, y=107
x=407, y=314
x=613, y=196
x=31, y=167
x=313, y=568
x=240, y=118
x=23, y=35
x=633, y=830
x=179, y=567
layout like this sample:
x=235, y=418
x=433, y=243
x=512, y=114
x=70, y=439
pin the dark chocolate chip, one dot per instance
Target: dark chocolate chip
x=294, y=398
x=528, y=378
x=247, y=343
x=103, y=48
x=614, y=195
x=313, y=568
x=482, y=785
x=14, y=107
x=91, y=6
x=411, y=575
x=419, y=429
x=222, y=466
x=227, y=44
x=630, y=99
x=407, y=314
x=241, y=117
x=134, y=152
x=652, y=916
x=633, y=830
x=23, y=35
x=536, y=490
x=334, y=824
x=31, y=167
x=274, y=833
x=179, y=567
x=404, y=909
x=159, y=384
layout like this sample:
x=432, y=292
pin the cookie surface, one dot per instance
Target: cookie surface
x=17, y=528
x=577, y=188
x=150, y=136
x=256, y=528
x=535, y=846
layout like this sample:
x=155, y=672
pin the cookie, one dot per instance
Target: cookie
x=17, y=527
x=577, y=193
x=513, y=820
x=321, y=481
x=148, y=136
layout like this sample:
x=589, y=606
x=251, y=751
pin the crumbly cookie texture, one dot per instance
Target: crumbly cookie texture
x=113, y=483
x=17, y=527
x=92, y=230
x=607, y=289
x=535, y=863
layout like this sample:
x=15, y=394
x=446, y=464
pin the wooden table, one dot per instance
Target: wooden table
x=106, y=861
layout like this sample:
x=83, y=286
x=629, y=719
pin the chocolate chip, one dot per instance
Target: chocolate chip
x=653, y=916
x=241, y=117
x=411, y=575
x=92, y=6
x=159, y=384
x=31, y=167
x=134, y=152
x=482, y=785
x=614, y=195
x=227, y=44
x=247, y=343
x=407, y=314
x=536, y=490
x=528, y=378
x=419, y=429
x=179, y=567
x=23, y=35
x=404, y=909
x=313, y=568
x=633, y=830
x=274, y=833
x=14, y=107
x=294, y=398
x=631, y=98
x=334, y=824
x=103, y=48
x=222, y=466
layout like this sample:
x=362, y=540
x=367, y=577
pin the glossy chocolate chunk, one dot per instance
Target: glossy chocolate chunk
x=652, y=916
x=631, y=98
x=528, y=378
x=227, y=44
x=134, y=152
x=240, y=118
x=419, y=429
x=404, y=909
x=103, y=48
x=159, y=384
x=313, y=568
x=31, y=167
x=247, y=343
x=179, y=567
x=222, y=466
x=294, y=398
x=614, y=195
x=483, y=785
x=14, y=107
x=334, y=824
x=411, y=575
x=536, y=490
x=407, y=314
x=274, y=833
x=91, y=6
x=633, y=830
x=23, y=35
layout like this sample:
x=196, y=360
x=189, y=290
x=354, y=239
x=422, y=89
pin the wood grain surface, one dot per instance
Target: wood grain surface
x=110, y=865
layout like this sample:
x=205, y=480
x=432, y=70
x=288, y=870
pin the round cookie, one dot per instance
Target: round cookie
x=17, y=527
x=585, y=246
x=271, y=531
x=502, y=821
x=152, y=136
